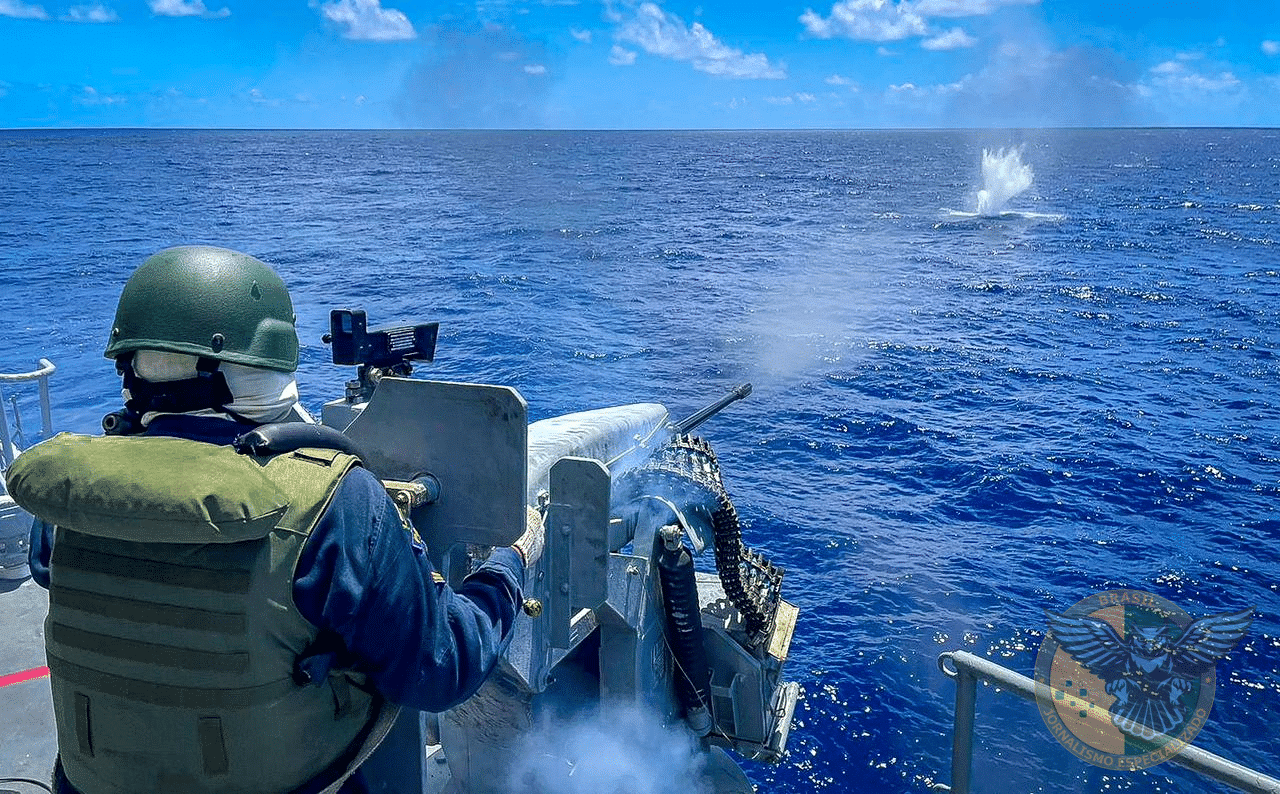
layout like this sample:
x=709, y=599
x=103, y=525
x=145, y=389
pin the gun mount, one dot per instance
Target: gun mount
x=615, y=612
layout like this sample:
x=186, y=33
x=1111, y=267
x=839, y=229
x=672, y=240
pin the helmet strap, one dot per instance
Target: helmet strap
x=207, y=391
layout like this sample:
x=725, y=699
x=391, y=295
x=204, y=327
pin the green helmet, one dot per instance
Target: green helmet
x=209, y=302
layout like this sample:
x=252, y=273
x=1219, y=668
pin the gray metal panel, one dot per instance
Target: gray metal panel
x=471, y=437
x=590, y=554
x=635, y=664
x=577, y=533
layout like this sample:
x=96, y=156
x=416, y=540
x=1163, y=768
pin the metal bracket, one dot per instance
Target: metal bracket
x=577, y=542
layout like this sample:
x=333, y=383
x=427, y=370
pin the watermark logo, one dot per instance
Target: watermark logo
x=1126, y=678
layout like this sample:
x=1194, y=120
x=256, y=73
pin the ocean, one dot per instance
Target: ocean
x=960, y=419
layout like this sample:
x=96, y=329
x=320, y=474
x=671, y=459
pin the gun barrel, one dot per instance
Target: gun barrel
x=698, y=417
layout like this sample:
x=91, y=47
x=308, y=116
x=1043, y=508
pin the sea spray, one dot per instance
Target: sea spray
x=1004, y=176
x=613, y=750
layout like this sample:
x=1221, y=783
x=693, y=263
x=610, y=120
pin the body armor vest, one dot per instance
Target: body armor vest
x=172, y=634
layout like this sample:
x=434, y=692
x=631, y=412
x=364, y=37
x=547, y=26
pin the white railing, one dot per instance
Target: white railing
x=966, y=669
x=7, y=443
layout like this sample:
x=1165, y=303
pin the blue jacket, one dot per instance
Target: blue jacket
x=367, y=585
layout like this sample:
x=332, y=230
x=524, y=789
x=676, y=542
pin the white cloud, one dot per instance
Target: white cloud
x=1175, y=76
x=583, y=36
x=1206, y=92
x=258, y=98
x=953, y=39
x=836, y=79
x=665, y=35
x=367, y=20
x=930, y=91
x=1028, y=83
x=620, y=56
x=966, y=8
x=91, y=13
x=802, y=97
x=90, y=96
x=21, y=10
x=535, y=69
x=866, y=20
x=185, y=8
x=890, y=20
x=1271, y=47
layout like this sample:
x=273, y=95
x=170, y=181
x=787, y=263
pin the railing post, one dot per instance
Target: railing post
x=6, y=443
x=46, y=407
x=962, y=741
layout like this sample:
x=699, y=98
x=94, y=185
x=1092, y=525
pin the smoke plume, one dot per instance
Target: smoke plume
x=616, y=750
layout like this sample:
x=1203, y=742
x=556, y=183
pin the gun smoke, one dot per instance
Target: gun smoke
x=619, y=749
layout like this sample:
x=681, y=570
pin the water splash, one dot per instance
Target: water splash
x=1004, y=176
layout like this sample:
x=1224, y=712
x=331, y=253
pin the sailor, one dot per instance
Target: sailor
x=227, y=622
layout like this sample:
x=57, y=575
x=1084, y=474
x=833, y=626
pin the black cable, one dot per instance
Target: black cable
x=683, y=624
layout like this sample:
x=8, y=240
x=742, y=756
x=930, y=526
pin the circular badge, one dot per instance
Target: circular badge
x=1125, y=678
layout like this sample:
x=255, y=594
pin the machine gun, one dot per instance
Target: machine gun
x=614, y=610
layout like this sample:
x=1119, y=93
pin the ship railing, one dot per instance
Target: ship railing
x=967, y=669
x=9, y=404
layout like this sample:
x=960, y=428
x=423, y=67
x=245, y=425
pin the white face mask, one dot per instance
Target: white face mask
x=259, y=395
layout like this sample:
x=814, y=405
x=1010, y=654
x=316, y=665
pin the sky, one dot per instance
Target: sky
x=639, y=64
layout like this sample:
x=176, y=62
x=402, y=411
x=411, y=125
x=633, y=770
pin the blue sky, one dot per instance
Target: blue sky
x=581, y=64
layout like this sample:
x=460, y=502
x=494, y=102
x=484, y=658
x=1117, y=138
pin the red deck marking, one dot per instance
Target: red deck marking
x=25, y=675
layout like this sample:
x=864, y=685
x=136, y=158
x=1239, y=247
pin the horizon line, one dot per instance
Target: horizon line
x=637, y=129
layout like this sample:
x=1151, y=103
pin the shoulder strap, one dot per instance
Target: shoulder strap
x=309, y=477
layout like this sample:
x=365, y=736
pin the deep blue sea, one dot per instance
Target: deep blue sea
x=958, y=421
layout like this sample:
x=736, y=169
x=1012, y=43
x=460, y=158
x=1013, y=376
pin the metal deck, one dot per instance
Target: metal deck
x=27, y=741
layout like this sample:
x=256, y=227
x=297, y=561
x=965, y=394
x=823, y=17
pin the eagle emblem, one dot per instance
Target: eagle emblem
x=1149, y=669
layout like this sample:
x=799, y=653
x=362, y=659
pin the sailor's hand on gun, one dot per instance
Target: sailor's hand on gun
x=529, y=545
